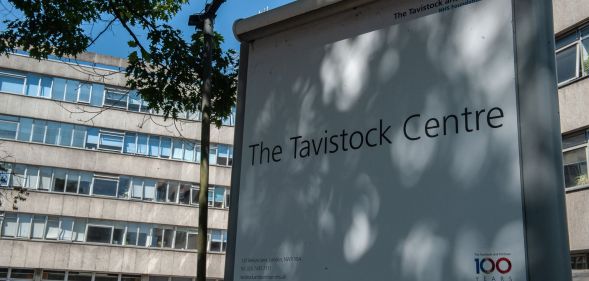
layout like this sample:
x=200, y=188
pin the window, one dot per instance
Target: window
x=579, y=261
x=189, y=151
x=165, y=146
x=131, y=237
x=118, y=233
x=25, y=128
x=219, y=197
x=218, y=241
x=184, y=195
x=154, y=144
x=180, y=241
x=130, y=143
x=191, y=245
x=8, y=126
x=79, y=276
x=213, y=154
x=142, y=144
x=178, y=150
x=45, y=178
x=173, y=192
x=123, y=191
x=12, y=83
x=137, y=192
x=71, y=185
x=58, y=89
x=84, y=95
x=85, y=182
x=5, y=171
x=168, y=238
x=134, y=101
x=39, y=127
x=19, y=179
x=99, y=233
x=225, y=157
x=97, y=95
x=9, y=225
x=32, y=178
x=66, y=132
x=33, y=85
x=66, y=226
x=106, y=277
x=130, y=278
x=160, y=191
x=38, y=226
x=24, y=225
x=59, y=180
x=92, y=138
x=52, y=133
x=79, y=136
x=157, y=237
x=572, y=55
x=111, y=140
x=106, y=186
x=575, y=167
x=53, y=275
x=23, y=274
x=115, y=99
x=3, y=273
x=149, y=190
x=79, y=230
x=71, y=90
x=52, y=228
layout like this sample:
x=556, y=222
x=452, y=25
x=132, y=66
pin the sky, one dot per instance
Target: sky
x=114, y=41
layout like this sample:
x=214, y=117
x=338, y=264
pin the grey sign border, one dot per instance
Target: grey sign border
x=545, y=223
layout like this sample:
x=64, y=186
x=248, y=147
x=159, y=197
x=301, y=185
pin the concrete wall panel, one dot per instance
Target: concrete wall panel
x=572, y=101
x=569, y=12
x=578, y=222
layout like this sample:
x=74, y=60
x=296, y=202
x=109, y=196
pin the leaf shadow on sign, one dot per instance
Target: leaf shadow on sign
x=406, y=210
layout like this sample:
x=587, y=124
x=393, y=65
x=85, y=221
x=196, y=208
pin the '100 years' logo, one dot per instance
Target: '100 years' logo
x=488, y=265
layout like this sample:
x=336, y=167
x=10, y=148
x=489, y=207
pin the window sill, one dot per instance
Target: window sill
x=576, y=188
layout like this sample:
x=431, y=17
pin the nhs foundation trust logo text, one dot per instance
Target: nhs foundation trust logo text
x=492, y=267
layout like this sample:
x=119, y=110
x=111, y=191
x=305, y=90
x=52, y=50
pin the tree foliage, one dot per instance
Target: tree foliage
x=165, y=68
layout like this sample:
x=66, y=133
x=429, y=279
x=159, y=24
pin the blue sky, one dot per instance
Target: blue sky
x=114, y=41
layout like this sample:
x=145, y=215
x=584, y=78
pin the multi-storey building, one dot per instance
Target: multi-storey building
x=112, y=186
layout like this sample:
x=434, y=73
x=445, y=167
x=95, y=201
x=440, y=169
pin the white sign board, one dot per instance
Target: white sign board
x=382, y=143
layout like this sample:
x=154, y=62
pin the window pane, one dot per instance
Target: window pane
x=24, y=129
x=177, y=149
x=58, y=180
x=223, y=153
x=79, y=276
x=143, y=232
x=115, y=99
x=106, y=277
x=130, y=146
x=32, y=85
x=123, y=187
x=18, y=179
x=79, y=136
x=97, y=94
x=168, y=237
x=165, y=146
x=157, y=237
x=137, y=188
x=98, y=234
x=130, y=278
x=46, y=87
x=92, y=138
x=72, y=182
x=38, y=226
x=173, y=192
x=180, y=242
x=154, y=144
x=39, y=130
x=45, y=180
x=24, y=225
x=22, y=274
x=12, y=84
x=219, y=196
x=160, y=194
x=8, y=129
x=134, y=101
x=585, y=56
x=52, y=133
x=188, y=151
x=118, y=233
x=195, y=196
x=131, y=238
x=5, y=172
x=79, y=230
x=227, y=197
x=9, y=226
x=84, y=92
x=65, y=230
x=191, y=241
x=53, y=275
x=149, y=190
x=566, y=64
x=32, y=177
x=184, y=196
x=142, y=144
x=65, y=134
x=211, y=196
x=58, y=89
x=213, y=155
x=3, y=273
x=52, y=229
x=71, y=90
x=104, y=186
x=85, y=181
x=575, y=167
x=111, y=141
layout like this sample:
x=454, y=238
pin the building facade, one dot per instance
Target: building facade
x=113, y=187
x=571, y=27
